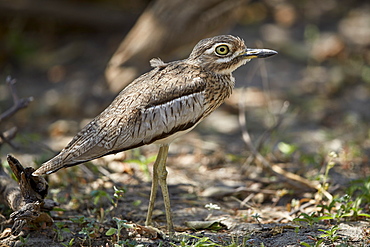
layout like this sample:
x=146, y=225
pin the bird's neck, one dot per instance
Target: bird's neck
x=218, y=89
x=226, y=83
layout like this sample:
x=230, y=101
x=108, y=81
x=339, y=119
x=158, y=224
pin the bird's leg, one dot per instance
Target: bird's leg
x=160, y=176
x=162, y=179
x=153, y=190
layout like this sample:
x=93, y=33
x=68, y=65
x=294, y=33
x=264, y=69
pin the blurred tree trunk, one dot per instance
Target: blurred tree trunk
x=165, y=26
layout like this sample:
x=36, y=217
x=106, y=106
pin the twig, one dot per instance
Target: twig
x=279, y=120
x=242, y=122
x=260, y=141
x=19, y=103
x=274, y=169
x=244, y=202
x=300, y=209
x=247, y=138
x=7, y=136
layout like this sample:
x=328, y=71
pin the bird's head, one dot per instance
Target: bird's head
x=225, y=53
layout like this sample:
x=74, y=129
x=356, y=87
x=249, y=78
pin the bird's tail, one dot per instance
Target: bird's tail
x=49, y=167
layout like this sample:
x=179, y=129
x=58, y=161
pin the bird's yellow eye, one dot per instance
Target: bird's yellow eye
x=222, y=50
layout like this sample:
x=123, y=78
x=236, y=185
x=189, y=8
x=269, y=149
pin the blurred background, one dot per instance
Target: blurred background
x=74, y=56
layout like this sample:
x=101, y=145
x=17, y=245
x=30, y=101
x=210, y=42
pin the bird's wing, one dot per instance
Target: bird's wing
x=156, y=105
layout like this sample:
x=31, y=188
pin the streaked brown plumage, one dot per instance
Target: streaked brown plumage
x=160, y=105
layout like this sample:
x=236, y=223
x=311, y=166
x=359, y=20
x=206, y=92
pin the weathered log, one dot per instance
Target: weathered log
x=26, y=198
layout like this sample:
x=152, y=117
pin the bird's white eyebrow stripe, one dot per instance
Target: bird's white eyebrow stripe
x=224, y=59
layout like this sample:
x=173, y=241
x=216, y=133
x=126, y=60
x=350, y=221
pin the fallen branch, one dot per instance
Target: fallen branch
x=27, y=198
x=10, y=193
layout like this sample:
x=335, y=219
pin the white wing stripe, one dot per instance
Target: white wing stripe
x=161, y=119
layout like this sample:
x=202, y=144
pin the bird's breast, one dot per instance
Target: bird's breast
x=218, y=89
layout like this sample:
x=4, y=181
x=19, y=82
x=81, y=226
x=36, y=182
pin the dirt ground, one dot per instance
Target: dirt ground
x=321, y=72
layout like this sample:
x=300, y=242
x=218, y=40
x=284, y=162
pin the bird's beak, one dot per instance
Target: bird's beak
x=250, y=53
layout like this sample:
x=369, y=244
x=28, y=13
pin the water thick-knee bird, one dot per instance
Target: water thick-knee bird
x=157, y=107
